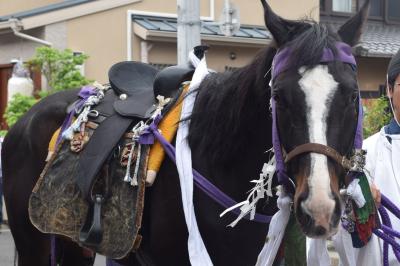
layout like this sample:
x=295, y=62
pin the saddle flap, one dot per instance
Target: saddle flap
x=133, y=82
x=102, y=142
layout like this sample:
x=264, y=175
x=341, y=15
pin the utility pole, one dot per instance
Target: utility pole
x=189, y=26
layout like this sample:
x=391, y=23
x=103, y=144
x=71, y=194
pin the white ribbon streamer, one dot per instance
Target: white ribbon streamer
x=317, y=252
x=355, y=192
x=276, y=231
x=198, y=254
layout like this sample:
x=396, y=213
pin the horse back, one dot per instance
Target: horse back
x=32, y=132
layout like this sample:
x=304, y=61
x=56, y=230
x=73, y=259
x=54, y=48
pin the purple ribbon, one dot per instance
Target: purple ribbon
x=84, y=93
x=151, y=133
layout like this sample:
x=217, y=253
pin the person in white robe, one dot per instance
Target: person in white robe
x=383, y=170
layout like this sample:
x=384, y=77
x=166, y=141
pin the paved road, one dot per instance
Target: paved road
x=7, y=250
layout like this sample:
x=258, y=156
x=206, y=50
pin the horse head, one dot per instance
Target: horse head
x=316, y=101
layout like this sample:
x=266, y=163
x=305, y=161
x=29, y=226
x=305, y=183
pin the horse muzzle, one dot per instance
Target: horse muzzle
x=318, y=218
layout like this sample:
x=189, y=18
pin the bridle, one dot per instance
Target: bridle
x=344, y=55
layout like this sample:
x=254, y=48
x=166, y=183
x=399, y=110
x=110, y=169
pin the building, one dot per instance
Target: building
x=380, y=39
x=110, y=31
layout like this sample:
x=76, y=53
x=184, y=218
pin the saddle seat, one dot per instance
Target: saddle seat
x=138, y=84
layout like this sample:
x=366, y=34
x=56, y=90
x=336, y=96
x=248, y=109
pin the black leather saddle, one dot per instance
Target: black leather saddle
x=132, y=98
x=138, y=84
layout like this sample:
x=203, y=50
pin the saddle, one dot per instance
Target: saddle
x=81, y=193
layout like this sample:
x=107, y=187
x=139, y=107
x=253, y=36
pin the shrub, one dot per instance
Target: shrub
x=59, y=67
x=17, y=107
x=60, y=70
x=377, y=115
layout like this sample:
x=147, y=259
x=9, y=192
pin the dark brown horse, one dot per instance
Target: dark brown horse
x=230, y=130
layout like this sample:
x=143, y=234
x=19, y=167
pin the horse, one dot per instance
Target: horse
x=229, y=134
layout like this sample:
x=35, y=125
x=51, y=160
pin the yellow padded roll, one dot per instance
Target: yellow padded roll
x=168, y=127
x=52, y=144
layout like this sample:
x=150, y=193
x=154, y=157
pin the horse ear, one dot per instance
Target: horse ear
x=351, y=31
x=278, y=26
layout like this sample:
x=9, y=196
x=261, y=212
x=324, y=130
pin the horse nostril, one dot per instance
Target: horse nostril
x=319, y=231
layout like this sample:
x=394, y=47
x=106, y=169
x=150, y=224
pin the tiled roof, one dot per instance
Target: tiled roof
x=380, y=41
x=377, y=40
x=170, y=25
x=44, y=9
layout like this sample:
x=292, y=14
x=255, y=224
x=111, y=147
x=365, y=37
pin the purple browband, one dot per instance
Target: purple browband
x=344, y=54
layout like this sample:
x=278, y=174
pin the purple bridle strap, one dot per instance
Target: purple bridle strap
x=200, y=181
x=283, y=178
x=344, y=54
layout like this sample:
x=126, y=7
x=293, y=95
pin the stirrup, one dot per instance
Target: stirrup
x=91, y=233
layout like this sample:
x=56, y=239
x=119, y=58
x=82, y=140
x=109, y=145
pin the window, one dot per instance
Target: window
x=385, y=10
x=393, y=10
x=376, y=8
x=345, y=6
x=322, y=5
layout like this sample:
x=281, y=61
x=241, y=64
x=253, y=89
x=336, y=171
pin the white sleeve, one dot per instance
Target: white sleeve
x=370, y=146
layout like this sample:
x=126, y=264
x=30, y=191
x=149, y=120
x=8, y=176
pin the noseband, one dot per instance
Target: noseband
x=320, y=149
x=343, y=54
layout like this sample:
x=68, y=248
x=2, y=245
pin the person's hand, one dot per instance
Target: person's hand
x=376, y=195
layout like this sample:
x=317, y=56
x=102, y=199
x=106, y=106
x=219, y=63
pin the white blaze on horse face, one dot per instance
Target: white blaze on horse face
x=319, y=87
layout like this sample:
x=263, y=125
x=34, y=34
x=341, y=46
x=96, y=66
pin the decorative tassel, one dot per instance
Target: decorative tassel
x=128, y=177
x=134, y=181
x=365, y=216
x=262, y=188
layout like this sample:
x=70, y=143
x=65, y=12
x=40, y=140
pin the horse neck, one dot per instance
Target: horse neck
x=236, y=128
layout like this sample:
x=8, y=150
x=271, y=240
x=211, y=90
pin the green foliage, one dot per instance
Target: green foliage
x=376, y=116
x=60, y=70
x=17, y=107
x=59, y=67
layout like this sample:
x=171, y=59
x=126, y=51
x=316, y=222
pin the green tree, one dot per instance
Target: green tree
x=61, y=72
x=377, y=115
x=59, y=67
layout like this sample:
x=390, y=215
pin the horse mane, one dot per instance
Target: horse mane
x=226, y=105
x=307, y=46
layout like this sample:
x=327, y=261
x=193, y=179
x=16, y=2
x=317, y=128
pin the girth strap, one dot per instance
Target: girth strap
x=321, y=149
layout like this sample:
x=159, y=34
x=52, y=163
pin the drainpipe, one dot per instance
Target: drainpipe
x=144, y=51
x=129, y=35
x=16, y=29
